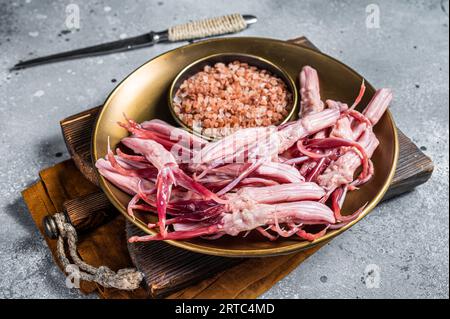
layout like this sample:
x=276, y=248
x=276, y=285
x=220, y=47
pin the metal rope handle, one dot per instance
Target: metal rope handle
x=124, y=279
x=82, y=214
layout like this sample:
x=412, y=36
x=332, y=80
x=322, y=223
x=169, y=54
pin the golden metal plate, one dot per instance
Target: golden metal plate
x=143, y=96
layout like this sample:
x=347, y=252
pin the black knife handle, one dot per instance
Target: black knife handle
x=140, y=41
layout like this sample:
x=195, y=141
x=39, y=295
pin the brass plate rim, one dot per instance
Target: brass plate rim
x=265, y=252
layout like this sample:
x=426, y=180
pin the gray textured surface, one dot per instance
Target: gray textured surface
x=407, y=238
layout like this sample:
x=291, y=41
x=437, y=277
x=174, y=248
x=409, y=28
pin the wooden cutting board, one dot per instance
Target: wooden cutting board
x=167, y=268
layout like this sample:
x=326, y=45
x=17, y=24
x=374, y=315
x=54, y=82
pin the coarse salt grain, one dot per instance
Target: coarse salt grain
x=223, y=98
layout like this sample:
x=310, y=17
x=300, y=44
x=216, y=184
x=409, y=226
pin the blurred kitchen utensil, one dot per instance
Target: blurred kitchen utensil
x=231, y=23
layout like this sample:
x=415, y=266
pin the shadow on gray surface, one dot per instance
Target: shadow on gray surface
x=36, y=261
x=18, y=210
x=51, y=151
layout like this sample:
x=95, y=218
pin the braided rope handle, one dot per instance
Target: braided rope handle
x=124, y=279
x=206, y=28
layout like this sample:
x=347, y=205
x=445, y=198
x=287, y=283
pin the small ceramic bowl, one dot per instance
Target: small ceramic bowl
x=226, y=58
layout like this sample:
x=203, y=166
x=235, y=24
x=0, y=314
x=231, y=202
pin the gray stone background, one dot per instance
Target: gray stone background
x=407, y=238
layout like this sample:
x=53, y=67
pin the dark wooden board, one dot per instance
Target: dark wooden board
x=169, y=268
x=77, y=132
